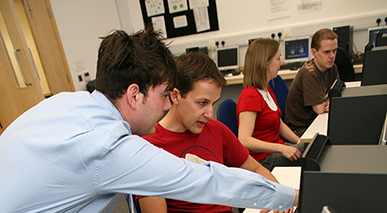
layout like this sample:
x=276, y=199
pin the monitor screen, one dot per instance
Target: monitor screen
x=372, y=32
x=228, y=58
x=297, y=49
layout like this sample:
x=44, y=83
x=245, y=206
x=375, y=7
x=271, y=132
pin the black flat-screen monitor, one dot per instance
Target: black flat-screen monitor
x=253, y=39
x=201, y=49
x=357, y=116
x=372, y=32
x=228, y=58
x=375, y=66
x=297, y=49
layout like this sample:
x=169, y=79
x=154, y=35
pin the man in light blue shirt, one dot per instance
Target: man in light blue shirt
x=77, y=152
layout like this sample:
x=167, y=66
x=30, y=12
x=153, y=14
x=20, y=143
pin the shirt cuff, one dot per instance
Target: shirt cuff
x=281, y=201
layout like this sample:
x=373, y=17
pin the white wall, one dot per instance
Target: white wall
x=80, y=24
x=244, y=19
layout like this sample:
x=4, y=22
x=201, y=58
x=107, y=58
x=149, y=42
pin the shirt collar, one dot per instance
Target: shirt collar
x=102, y=100
x=106, y=103
x=326, y=71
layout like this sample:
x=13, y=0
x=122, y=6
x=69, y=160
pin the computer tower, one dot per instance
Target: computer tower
x=345, y=38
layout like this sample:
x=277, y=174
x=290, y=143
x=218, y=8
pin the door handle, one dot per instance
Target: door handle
x=20, y=68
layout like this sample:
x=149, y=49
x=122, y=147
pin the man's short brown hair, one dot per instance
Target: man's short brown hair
x=323, y=34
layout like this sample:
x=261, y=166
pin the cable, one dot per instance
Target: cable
x=279, y=36
x=378, y=21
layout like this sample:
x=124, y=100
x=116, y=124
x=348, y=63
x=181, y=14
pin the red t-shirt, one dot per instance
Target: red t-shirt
x=267, y=123
x=215, y=143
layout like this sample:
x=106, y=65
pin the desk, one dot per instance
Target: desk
x=320, y=123
x=358, y=68
x=286, y=175
x=285, y=75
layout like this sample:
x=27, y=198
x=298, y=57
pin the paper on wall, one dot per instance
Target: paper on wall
x=159, y=24
x=177, y=6
x=154, y=7
x=198, y=4
x=277, y=9
x=180, y=21
x=202, y=20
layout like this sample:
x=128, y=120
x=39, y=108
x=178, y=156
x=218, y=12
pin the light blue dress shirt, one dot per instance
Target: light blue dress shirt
x=73, y=152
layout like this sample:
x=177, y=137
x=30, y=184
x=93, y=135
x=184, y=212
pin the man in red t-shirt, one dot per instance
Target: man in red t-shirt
x=188, y=130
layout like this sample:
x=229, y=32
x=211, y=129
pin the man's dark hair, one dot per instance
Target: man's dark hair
x=141, y=58
x=194, y=66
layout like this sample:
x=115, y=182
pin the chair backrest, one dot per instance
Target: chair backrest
x=280, y=91
x=344, y=65
x=227, y=115
x=134, y=206
x=90, y=86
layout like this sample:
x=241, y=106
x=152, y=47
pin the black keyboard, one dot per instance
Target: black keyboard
x=292, y=66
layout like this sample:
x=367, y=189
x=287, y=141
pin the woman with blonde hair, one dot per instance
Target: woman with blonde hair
x=261, y=129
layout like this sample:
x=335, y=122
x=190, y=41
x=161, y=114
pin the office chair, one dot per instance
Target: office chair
x=134, y=206
x=227, y=115
x=280, y=91
x=344, y=65
x=90, y=86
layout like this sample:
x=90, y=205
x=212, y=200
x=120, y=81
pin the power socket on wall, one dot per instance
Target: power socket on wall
x=87, y=76
x=80, y=78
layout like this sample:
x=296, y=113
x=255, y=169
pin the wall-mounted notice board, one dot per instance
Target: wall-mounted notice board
x=180, y=17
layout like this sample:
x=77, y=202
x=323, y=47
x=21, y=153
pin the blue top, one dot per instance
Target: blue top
x=74, y=152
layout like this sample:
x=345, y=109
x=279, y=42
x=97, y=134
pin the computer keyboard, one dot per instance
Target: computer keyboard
x=292, y=66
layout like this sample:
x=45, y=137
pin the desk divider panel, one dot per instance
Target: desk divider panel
x=336, y=178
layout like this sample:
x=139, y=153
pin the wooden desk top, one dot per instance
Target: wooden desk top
x=319, y=125
x=286, y=175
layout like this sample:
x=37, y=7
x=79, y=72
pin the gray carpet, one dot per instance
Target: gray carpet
x=122, y=206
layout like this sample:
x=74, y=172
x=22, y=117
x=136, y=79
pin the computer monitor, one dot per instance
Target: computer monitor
x=372, y=32
x=346, y=122
x=253, y=39
x=297, y=49
x=201, y=49
x=228, y=58
x=375, y=66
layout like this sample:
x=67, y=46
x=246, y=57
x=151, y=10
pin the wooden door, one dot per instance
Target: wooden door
x=15, y=97
x=49, y=46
